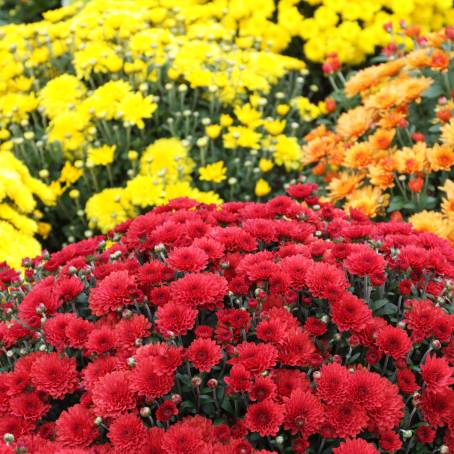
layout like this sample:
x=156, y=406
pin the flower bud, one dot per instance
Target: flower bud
x=176, y=398
x=212, y=383
x=145, y=412
x=98, y=420
x=407, y=433
x=279, y=439
x=196, y=381
x=436, y=344
x=131, y=361
x=9, y=438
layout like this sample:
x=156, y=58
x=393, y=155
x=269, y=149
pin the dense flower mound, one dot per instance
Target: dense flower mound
x=243, y=328
x=391, y=149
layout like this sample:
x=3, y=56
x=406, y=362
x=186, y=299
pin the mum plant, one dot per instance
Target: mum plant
x=286, y=326
x=391, y=149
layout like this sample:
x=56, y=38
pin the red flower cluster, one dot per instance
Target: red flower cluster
x=249, y=328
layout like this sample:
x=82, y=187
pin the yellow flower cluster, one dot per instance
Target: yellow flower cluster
x=19, y=217
x=163, y=174
x=391, y=151
x=354, y=28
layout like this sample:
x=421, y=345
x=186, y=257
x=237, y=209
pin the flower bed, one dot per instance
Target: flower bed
x=391, y=149
x=271, y=327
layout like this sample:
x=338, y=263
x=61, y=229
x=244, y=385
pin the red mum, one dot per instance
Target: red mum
x=112, y=394
x=146, y=381
x=325, y=280
x=76, y=427
x=166, y=410
x=303, y=413
x=350, y=313
x=332, y=383
x=128, y=434
x=188, y=259
x=112, y=293
x=182, y=439
x=393, y=341
x=175, y=319
x=356, y=447
x=54, y=375
x=199, y=290
x=204, y=354
x=28, y=406
x=264, y=418
x=436, y=373
x=364, y=261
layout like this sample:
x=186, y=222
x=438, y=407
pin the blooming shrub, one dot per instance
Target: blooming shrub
x=249, y=327
x=390, y=151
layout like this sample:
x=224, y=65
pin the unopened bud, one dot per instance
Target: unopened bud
x=145, y=412
x=196, y=381
x=212, y=383
x=131, y=361
x=9, y=438
x=176, y=398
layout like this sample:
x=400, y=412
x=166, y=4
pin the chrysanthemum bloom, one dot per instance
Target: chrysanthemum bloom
x=325, y=281
x=350, y=313
x=67, y=289
x=406, y=380
x=77, y=331
x=199, y=290
x=28, y=406
x=128, y=434
x=390, y=441
x=364, y=261
x=263, y=388
x=347, y=419
x=101, y=340
x=182, y=439
x=175, y=319
x=315, y=326
x=204, y=354
x=393, y=341
x=437, y=406
x=239, y=379
x=303, y=413
x=55, y=375
x=166, y=410
x=332, y=383
x=146, y=381
x=264, y=418
x=425, y=434
x=112, y=293
x=256, y=358
x=188, y=259
x=296, y=348
x=76, y=427
x=355, y=447
x=112, y=394
x=436, y=373
x=365, y=388
x=55, y=330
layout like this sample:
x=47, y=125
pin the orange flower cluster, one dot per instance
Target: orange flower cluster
x=391, y=148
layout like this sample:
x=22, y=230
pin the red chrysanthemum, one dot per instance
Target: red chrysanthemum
x=182, y=439
x=188, y=259
x=364, y=261
x=303, y=413
x=390, y=441
x=332, y=383
x=315, y=326
x=425, y=434
x=175, y=319
x=148, y=383
x=54, y=375
x=77, y=332
x=112, y=293
x=264, y=418
x=256, y=358
x=28, y=406
x=358, y=446
x=112, y=394
x=436, y=373
x=128, y=434
x=202, y=290
x=365, y=388
x=55, y=330
x=239, y=379
x=166, y=410
x=347, y=419
x=262, y=388
x=438, y=407
x=68, y=288
x=76, y=427
x=393, y=341
x=406, y=380
x=204, y=354
x=101, y=340
x=296, y=348
x=325, y=280
x=350, y=313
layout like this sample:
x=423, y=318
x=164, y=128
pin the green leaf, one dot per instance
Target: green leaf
x=434, y=91
x=387, y=309
x=397, y=203
x=377, y=304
